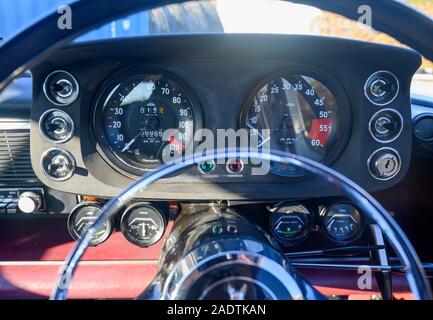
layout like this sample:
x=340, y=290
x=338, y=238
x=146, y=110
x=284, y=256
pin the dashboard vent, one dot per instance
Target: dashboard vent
x=15, y=164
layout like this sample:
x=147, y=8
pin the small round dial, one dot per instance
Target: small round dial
x=342, y=222
x=290, y=224
x=82, y=218
x=143, y=224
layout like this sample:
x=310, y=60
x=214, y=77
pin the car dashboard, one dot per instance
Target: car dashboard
x=100, y=115
x=326, y=110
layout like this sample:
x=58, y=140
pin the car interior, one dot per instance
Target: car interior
x=190, y=161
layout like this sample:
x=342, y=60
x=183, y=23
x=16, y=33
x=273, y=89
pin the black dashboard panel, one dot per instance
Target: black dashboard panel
x=222, y=70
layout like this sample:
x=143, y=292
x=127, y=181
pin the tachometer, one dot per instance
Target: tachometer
x=303, y=113
x=132, y=114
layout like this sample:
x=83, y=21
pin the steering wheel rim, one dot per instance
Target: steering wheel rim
x=415, y=275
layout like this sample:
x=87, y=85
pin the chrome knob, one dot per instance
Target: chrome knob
x=29, y=202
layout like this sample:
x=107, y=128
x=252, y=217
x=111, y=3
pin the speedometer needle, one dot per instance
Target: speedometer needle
x=126, y=147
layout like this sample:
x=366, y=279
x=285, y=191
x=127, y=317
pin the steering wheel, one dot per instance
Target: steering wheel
x=44, y=37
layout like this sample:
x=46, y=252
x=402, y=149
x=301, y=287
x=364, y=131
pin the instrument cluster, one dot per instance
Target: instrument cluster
x=99, y=131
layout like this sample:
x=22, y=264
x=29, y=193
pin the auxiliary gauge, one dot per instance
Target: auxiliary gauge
x=143, y=224
x=342, y=222
x=82, y=217
x=290, y=224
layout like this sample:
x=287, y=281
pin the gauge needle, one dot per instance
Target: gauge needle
x=126, y=147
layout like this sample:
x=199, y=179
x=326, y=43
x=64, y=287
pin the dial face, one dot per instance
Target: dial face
x=143, y=225
x=132, y=115
x=81, y=219
x=343, y=222
x=290, y=223
x=302, y=115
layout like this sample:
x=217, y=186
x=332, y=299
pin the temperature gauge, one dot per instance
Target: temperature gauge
x=290, y=224
x=342, y=222
x=143, y=224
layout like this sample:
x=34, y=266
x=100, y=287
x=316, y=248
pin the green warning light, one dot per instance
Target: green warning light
x=206, y=166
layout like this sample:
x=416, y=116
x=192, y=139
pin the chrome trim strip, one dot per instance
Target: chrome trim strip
x=14, y=124
x=60, y=263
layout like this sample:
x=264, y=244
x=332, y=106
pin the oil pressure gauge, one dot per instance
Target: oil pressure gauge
x=143, y=224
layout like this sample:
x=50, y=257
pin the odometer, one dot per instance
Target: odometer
x=134, y=111
x=302, y=113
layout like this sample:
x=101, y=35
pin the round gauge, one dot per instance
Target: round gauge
x=143, y=118
x=303, y=113
x=82, y=217
x=143, y=224
x=343, y=222
x=290, y=224
x=56, y=125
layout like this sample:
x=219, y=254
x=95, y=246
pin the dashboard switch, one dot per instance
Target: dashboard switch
x=381, y=88
x=29, y=202
x=384, y=164
x=58, y=164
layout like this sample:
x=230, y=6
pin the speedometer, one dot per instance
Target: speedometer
x=135, y=110
x=304, y=112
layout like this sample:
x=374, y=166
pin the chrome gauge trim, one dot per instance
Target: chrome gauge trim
x=397, y=135
x=74, y=95
x=374, y=153
x=67, y=117
x=325, y=232
x=396, y=93
x=74, y=235
x=41, y=163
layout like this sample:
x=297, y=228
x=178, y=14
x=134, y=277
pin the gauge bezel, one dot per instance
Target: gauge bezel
x=125, y=232
x=336, y=89
x=67, y=117
x=122, y=75
x=325, y=232
x=70, y=224
x=303, y=236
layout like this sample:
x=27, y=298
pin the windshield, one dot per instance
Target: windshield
x=223, y=16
